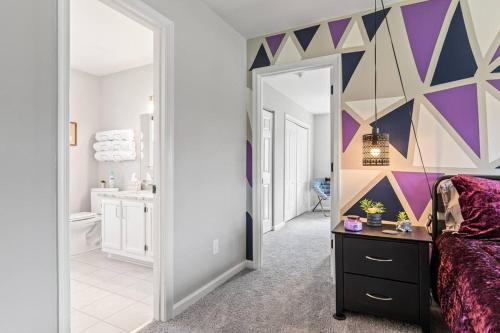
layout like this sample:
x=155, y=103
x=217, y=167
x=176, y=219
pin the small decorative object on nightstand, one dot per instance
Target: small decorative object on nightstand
x=383, y=274
x=403, y=222
x=373, y=212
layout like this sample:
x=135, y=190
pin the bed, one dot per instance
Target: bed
x=465, y=271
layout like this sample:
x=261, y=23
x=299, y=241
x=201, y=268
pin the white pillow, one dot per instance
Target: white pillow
x=452, y=214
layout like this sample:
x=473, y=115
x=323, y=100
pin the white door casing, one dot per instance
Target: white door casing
x=267, y=170
x=333, y=62
x=302, y=170
x=290, y=170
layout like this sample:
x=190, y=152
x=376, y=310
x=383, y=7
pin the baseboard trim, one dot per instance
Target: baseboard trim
x=279, y=226
x=189, y=300
x=250, y=264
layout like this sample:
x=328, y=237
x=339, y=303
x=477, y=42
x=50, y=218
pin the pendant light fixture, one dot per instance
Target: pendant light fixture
x=375, y=144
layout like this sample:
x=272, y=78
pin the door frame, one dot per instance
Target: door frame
x=309, y=159
x=334, y=63
x=163, y=66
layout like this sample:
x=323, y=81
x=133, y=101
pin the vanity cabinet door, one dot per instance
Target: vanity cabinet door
x=111, y=224
x=149, y=229
x=134, y=222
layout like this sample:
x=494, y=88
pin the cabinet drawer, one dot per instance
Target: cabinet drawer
x=391, y=299
x=384, y=259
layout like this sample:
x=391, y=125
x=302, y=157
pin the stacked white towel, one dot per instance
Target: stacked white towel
x=115, y=156
x=115, y=146
x=125, y=135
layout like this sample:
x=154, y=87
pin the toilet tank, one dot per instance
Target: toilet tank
x=95, y=199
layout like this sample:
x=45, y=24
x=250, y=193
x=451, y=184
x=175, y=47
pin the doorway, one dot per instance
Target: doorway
x=297, y=148
x=135, y=221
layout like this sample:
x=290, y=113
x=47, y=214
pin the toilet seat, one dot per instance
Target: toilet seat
x=82, y=216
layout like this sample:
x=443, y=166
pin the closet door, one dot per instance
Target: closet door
x=290, y=170
x=302, y=170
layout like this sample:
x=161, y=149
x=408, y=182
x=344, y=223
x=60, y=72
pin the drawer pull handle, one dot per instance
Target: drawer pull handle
x=378, y=259
x=379, y=298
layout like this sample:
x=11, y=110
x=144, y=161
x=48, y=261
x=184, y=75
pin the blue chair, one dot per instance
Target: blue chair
x=321, y=186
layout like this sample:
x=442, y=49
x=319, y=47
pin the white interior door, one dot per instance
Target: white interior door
x=290, y=170
x=267, y=170
x=302, y=170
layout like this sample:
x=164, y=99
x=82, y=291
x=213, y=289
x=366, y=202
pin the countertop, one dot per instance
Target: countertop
x=129, y=195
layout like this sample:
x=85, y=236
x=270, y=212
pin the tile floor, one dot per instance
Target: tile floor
x=109, y=296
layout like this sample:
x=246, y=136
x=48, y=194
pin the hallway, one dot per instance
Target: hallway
x=292, y=293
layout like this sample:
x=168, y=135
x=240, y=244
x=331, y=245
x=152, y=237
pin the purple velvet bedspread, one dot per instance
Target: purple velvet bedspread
x=467, y=278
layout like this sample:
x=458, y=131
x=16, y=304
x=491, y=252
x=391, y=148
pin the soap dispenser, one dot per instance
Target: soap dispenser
x=112, y=179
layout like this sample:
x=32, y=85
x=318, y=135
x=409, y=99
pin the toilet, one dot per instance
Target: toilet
x=85, y=227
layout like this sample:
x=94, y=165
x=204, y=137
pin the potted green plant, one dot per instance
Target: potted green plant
x=403, y=222
x=374, y=211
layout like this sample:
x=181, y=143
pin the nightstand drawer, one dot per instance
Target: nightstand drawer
x=384, y=259
x=380, y=297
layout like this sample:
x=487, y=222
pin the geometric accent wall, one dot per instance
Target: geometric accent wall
x=448, y=51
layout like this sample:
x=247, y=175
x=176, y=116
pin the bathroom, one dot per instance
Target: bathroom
x=111, y=170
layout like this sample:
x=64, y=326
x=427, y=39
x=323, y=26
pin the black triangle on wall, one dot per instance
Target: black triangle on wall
x=349, y=63
x=261, y=59
x=398, y=124
x=456, y=61
x=305, y=36
x=384, y=193
x=372, y=21
x=496, y=70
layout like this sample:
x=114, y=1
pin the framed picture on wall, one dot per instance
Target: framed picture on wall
x=73, y=133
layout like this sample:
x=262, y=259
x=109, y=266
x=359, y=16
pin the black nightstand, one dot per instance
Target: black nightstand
x=384, y=275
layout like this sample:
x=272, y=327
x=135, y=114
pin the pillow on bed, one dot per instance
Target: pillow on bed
x=450, y=198
x=480, y=206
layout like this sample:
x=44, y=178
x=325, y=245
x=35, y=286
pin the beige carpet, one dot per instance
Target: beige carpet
x=292, y=293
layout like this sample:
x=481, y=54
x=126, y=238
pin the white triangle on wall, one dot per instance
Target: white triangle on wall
x=486, y=21
x=353, y=181
x=438, y=148
x=365, y=108
x=493, y=121
x=354, y=38
x=289, y=53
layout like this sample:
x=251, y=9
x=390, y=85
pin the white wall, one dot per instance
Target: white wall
x=28, y=146
x=322, y=150
x=85, y=110
x=210, y=137
x=124, y=97
x=281, y=105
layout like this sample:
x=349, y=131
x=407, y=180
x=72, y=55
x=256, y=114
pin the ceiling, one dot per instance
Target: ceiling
x=104, y=41
x=253, y=18
x=309, y=89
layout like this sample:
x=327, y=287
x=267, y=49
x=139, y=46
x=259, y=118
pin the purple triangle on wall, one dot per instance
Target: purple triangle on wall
x=274, y=42
x=495, y=83
x=349, y=128
x=337, y=29
x=459, y=107
x=423, y=23
x=415, y=189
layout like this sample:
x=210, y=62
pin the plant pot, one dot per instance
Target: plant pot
x=374, y=220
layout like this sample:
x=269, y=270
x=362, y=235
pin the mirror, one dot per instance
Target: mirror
x=147, y=148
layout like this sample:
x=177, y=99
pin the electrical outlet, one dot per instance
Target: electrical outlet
x=216, y=246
